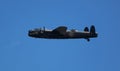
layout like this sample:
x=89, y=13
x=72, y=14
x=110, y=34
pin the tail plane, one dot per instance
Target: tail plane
x=92, y=31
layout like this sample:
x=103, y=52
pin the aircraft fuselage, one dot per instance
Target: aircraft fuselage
x=62, y=33
x=67, y=35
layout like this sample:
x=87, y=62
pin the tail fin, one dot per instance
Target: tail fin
x=92, y=29
x=86, y=29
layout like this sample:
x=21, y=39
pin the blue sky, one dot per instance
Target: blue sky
x=18, y=52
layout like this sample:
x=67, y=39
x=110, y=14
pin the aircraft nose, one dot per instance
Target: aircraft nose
x=30, y=33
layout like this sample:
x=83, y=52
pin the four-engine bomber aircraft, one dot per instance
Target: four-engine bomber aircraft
x=62, y=33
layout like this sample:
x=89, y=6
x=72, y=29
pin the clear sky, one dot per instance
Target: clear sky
x=18, y=52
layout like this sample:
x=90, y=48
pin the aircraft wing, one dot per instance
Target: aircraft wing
x=60, y=30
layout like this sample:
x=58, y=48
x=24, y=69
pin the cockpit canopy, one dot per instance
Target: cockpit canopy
x=37, y=30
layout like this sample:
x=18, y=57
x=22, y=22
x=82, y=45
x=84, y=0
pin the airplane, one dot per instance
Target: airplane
x=61, y=32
